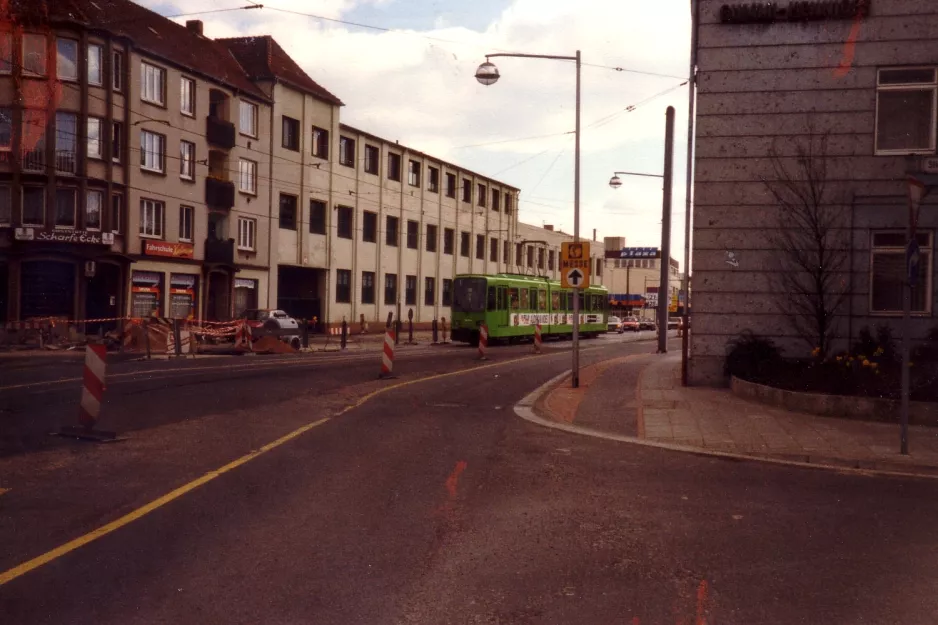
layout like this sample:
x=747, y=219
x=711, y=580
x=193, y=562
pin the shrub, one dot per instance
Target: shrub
x=881, y=348
x=752, y=357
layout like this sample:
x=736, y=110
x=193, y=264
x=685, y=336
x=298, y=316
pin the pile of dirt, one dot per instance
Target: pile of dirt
x=272, y=345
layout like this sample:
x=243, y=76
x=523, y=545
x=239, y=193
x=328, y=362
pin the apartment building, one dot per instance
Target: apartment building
x=850, y=88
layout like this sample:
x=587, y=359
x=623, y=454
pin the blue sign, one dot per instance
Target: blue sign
x=912, y=257
x=639, y=252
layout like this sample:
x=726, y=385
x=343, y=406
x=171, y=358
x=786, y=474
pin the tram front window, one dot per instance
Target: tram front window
x=469, y=295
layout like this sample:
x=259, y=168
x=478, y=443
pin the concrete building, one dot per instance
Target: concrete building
x=633, y=283
x=536, y=251
x=851, y=87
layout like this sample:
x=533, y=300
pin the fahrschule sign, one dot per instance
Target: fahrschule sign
x=802, y=11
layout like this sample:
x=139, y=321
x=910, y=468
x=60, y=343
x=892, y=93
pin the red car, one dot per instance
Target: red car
x=630, y=324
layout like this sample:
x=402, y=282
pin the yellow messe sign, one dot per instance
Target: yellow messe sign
x=575, y=265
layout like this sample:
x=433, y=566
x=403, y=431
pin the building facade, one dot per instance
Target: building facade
x=836, y=101
x=634, y=283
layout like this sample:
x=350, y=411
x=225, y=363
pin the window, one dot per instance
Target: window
x=344, y=225
x=493, y=250
x=464, y=244
x=450, y=185
x=391, y=234
x=320, y=143
x=530, y=256
x=599, y=267
x=152, y=81
x=152, y=151
x=369, y=227
x=6, y=52
x=429, y=291
x=507, y=204
x=290, y=135
x=449, y=239
x=95, y=65
x=247, y=114
x=394, y=166
x=906, y=110
x=66, y=142
x=371, y=159
x=317, y=217
x=66, y=59
x=447, y=296
x=888, y=273
x=247, y=230
x=117, y=71
x=34, y=206
x=6, y=206
x=496, y=196
x=34, y=55
x=431, y=237
x=413, y=234
x=93, y=203
x=519, y=254
x=94, y=138
x=117, y=141
x=6, y=129
x=480, y=246
x=368, y=287
x=187, y=96
x=506, y=252
x=467, y=191
x=287, y=211
x=151, y=218
x=390, y=288
x=550, y=260
x=185, y=223
x=347, y=151
x=117, y=212
x=247, y=176
x=540, y=258
x=413, y=173
x=482, y=192
x=343, y=286
x=187, y=160
x=433, y=180
x=410, y=290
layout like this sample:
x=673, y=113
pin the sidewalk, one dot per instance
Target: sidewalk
x=658, y=409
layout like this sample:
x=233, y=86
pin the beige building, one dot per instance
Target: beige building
x=633, y=283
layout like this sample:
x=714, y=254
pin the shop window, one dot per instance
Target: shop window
x=369, y=227
x=93, y=204
x=344, y=222
x=245, y=295
x=888, y=273
x=182, y=295
x=447, y=294
x=343, y=286
x=410, y=290
x=66, y=208
x=146, y=294
x=368, y=287
x=317, y=217
x=47, y=289
x=906, y=110
x=429, y=291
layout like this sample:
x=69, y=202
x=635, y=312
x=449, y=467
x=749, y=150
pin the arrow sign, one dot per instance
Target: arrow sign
x=575, y=277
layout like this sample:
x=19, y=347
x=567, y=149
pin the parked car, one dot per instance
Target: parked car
x=673, y=323
x=630, y=324
x=272, y=319
x=613, y=324
x=647, y=324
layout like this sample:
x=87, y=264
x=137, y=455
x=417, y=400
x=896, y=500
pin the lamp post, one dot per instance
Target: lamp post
x=487, y=74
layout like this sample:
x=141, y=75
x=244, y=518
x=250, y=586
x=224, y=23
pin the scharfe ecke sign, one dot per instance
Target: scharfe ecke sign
x=802, y=11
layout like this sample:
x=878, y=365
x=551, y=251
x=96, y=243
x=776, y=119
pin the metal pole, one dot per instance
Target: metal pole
x=575, y=377
x=689, y=189
x=666, y=232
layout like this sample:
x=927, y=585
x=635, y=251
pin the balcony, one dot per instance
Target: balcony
x=34, y=160
x=219, y=132
x=219, y=251
x=219, y=193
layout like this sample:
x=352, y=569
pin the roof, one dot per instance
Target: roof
x=263, y=59
x=148, y=31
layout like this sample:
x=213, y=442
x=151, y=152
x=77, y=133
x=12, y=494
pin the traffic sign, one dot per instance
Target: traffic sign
x=575, y=265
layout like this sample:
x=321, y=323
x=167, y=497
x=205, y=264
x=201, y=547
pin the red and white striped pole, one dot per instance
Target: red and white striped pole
x=92, y=392
x=483, y=341
x=387, y=356
x=537, y=338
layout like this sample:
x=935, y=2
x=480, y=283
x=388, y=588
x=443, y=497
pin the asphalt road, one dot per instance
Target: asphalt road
x=433, y=503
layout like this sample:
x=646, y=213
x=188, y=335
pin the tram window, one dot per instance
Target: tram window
x=500, y=300
x=582, y=301
x=541, y=299
x=533, y=299
x=513, y=296
x=524, y=299
x=491, y=298
x=555, y=301
x=569, y=301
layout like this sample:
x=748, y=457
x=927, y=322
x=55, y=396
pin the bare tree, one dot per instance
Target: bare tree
x=811, y=240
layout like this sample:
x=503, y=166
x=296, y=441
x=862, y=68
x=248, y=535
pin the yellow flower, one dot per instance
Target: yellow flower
x=874, y=366
x=879, y=351
x=866, y=363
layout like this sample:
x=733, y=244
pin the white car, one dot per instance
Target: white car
x=613, y=324
x=272, y=319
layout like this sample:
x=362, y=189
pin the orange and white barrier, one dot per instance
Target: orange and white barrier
x=387, y=355
x=537, y=338
x=92, y=392
x=483, y=341
x=243, y=337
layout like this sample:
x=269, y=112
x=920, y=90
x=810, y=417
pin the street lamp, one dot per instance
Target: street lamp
x=487, y=74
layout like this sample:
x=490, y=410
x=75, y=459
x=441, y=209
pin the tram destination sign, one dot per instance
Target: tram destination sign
x=800, y=11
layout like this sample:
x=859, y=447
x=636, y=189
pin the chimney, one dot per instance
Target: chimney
x=594, y=234
x=548, y=227
x=194, y=26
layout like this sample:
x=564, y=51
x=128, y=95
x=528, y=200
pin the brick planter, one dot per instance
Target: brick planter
x=843, y=406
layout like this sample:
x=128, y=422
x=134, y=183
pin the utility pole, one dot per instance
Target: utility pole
x=666, y=232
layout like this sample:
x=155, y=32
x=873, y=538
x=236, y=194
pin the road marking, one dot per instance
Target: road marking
x=453, y=480
x=104, y=530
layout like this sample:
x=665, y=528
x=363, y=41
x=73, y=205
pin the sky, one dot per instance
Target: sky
x=414, y=82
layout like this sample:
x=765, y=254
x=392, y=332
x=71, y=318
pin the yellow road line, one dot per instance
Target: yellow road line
x=130, y=517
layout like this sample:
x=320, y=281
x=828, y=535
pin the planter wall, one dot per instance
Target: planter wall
x=843, y=406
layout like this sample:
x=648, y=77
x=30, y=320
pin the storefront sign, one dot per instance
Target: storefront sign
x=244, y=283
x=79, y=237
x=805, y=10
x=634, y=252
x=173, y=250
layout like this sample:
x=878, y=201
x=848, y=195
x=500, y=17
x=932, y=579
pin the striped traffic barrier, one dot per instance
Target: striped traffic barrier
x=243, y=337
x=537, y=338
x=483, y=341
x=92, y=396
x=387, y=356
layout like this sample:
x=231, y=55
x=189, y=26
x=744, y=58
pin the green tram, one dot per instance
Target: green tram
x=512, y=304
